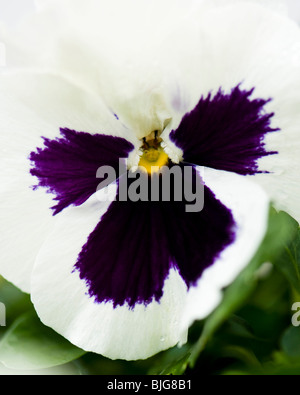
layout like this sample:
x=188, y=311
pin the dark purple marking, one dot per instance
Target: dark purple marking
x=128, y=256
x=225, y=132
x=67, y=166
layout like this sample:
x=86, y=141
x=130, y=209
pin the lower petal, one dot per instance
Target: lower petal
x=148, y=322
x=62, y=300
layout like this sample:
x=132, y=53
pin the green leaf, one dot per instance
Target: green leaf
x=241, y=353
x=173, y=361
x=28, y=344
x=290, y=342
x=289, y=261
x=281, y=231
x=237, y=326
x=177, y=367
x=16, y=302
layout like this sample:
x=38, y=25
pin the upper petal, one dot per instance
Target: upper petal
x=82, y=40
x=62, y=103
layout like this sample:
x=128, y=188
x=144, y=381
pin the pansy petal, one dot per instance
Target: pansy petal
x=116, y=332
x=274, y=5
x=279, y=175
x=25, y=215
x=62, y=104
x=138, y=326
x=31, y=107
x=73, y=155
x=249, y=205
x=243, y=44
x=132, y=62
x=153, y=237
x=85, y=46
x=222, y=47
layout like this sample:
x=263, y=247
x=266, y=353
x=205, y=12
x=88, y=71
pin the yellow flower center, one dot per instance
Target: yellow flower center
x=154, y=157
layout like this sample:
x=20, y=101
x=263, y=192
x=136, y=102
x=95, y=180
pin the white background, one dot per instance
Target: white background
x=294, y=9
x=11, y=11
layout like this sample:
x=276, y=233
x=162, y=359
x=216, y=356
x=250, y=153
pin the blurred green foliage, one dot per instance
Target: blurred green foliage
x=250, y=333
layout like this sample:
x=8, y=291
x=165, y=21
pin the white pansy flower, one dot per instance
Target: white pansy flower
x=211, y=86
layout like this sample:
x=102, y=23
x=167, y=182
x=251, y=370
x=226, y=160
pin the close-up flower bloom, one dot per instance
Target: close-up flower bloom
x=213, y=86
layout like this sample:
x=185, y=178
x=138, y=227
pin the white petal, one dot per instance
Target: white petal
x=107, y=46
x=61, y=103
x=294, y=9
x=112, y=47
x=62, y=302
x=139, y=333
x=126, y=54
x=2, y=55
x=41, y=3
x=34, y=105
x=282, y=183
x=118, y=49
x=25, y=215
x=64, y=370
x=249, y=44
x=12, y=12
x=227, y=45
x=275, y=5
x=250, y=208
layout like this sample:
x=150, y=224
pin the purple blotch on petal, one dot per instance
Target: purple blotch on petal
x=67, y=166
x=226, y=132
x=128, y=256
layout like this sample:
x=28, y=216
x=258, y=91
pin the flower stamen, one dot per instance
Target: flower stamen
x=153, y=155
